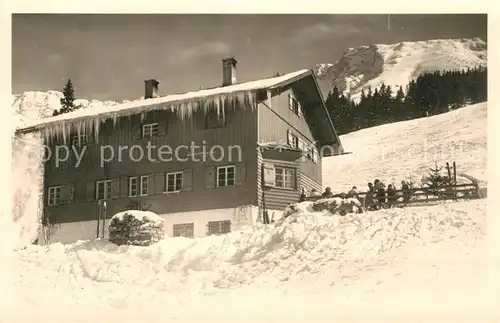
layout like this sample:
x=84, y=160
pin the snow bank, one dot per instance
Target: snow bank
x=139, y=215
x=27, y=169
x=101, y=274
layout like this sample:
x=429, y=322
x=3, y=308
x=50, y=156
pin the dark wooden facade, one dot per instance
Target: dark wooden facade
x=245, y=125
x=78, y=183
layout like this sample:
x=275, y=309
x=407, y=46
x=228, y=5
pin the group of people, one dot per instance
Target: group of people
x=376, y=196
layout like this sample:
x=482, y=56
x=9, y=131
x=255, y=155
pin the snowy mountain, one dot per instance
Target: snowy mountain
x=34, y=105
x=397, y=64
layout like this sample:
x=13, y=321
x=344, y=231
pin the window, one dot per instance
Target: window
x=174, y=182
x=301, y=144
x=214, y=119
x=133, y=187
x=312, y=154
x=315, y=155
x=184, y=230
x=54, y=197
x=219, y=227
x=292, y=140
x=150, y=130
x=294, y=105
x=225, y=176
x=144, y=185
x=103, y=190
x=80, y=140
x=285, y=177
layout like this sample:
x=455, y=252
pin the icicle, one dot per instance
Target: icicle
x=97, y=122
x=115, y=119
x=64, y=133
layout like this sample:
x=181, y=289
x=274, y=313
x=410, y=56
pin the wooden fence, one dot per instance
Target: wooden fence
x=419, y=195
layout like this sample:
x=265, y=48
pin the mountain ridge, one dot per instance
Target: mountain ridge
x=397, y=64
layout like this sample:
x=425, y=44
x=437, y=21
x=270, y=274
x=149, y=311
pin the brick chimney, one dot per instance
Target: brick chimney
x=228, y=71
x=151, y=89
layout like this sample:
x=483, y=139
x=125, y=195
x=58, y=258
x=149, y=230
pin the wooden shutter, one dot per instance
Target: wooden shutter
x=269, y=174
x=90, y=137
x=67, y=193
x=115, y=188
x=299, y=110
x=290, y=101
x=199, y=117
x=159, y=183
x=187, y=180
x=289, y=138
x=136, y=128
x=240, y=174
x=162, y=126
x=90, y=191
x=124, y=187
x=210, y=177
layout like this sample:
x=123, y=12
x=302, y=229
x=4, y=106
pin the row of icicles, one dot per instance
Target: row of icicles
x=88, y=124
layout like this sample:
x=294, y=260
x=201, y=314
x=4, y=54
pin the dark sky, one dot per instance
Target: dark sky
x=109, y=56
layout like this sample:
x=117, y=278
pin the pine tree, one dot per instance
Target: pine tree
x=435, y=180
x=68, y=99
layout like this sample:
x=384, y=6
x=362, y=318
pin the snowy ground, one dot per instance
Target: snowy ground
x=424, y=260
x=425, y=263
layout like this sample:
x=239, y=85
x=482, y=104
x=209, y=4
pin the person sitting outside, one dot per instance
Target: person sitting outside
x=368, y=202
x=353, y=193
x=327, y=193
x=380, y=191
x=391, y=195
x=406, y=191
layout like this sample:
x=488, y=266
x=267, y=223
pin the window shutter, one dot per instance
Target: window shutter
x=162, y=127
x=90, y=191
x=90, y=137
x=115, y=188
x=299, y=110
x=210, y=175
x=124, y=187
x=290, y=101
x=187, y=180
x=159, y=183
x=136, y=128
x=289, y=138
x=240, y=174
x=67, y=193
x=269, y=174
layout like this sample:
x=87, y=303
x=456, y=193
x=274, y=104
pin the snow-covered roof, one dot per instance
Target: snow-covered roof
x=184, y=103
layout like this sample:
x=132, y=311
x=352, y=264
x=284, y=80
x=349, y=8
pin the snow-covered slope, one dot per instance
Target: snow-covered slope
x=397, y=64
x=407, y=149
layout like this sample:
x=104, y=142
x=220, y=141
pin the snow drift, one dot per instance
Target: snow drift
x=397, y=64
x=303, y=247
